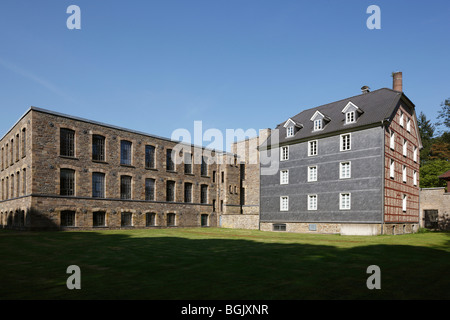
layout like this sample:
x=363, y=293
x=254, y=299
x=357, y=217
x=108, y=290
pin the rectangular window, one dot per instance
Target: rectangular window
x=404, y=173
x=279, y=227
x=187, y=162
x=405, y=147
x=68, y=218
x=345, y=142
x=188, y=192
x=204, y=193
x=150, y=219
x=392, y=169
x=98, y=148
x=345, y=170
x=67, y=143
x=289, y=131
x=415, y=177
x=284, y=177
x=312, y=148
x=67, y=182
x=170, y=191
x=312, y=202
x=125, y=187
x=401, y=118
x=171, y=219
x=312, y=173
x=125, y=152
x=284, y=153
x=284, y=203
x=415, y=154
x=24, y=142
x=204, y=167
x=99, y=219
x=392, y=140
x=317, y=124
x=404, y=200
x=170, y=165
x=350, y=117
x=126, y=219
x=150, y=157
x=408, y=125
x=98, y=185
x=344, y=201
x=149, y=189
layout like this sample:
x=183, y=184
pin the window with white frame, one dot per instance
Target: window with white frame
x=408, y=125
x=415, y=154
x=344, y=201
x=284, y=203
x=415, y=177
x=312, y=173
x=401, y=118
x=317, y=124
x=404, y=173
x=345, y=142
x=404, y=200
x=284, y=153
x=312, y=202
x=289, y=131
x=392, y=140
x=312, y=148
x=345, y=170
x=350, y=117
x=284, y=177
x=405, y=147
x=392, y=169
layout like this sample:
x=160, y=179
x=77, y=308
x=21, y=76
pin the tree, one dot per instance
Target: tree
x=430, y=172
x=444, y=114
x=426, y=131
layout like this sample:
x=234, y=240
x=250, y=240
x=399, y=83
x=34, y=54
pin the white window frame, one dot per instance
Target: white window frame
x=392, y=168
x=408, y=125
x=350, y=117
x=404, y=202
x=343, y=146
x=312, y=177
x=284, y=176
x=312, y=201
x=345, y=204
x=311, y=148
x=318, y=124
x=404, y=173
x=415, y=154
x=415, y=178
x=289, y=131
x=284, y=203
x=401, y=118
x=284, y=155
x=392, y=140
x=405, y=147
x=345, y=174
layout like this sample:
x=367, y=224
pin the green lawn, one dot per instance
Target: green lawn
x=212, y=263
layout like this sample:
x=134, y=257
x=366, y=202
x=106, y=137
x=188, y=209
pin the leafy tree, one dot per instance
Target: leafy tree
x=426, y=131
x=444, y=114
x=430, y=172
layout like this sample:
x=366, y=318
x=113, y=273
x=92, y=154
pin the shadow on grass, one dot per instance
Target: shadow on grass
x=153, y=264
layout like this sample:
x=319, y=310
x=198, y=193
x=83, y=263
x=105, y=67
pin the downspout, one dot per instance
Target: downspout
x=383, y=161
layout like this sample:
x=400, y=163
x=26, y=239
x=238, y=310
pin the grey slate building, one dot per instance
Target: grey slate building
x=348, y=167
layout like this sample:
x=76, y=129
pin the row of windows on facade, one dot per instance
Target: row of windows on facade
x=14, y=186
x=11, y=150
x=67, y=149
x=67, y=187
x=344, y=202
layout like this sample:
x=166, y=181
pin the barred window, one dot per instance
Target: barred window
x=125, y=152
x=67, y=142
x=149, y=189
x=67, y=182
x=170, y=191
x=99, y=219
x=125, y=187
x=188, y=192
x=98, y=185
x=204, y=193
x=149, y=156
x=68, y=218
x=126, y=219
x=98, y=148
x=170, y=165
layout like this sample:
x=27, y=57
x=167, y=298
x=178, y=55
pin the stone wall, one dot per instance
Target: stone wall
x=435, y=199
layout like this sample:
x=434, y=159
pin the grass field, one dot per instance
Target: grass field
x=212, y=263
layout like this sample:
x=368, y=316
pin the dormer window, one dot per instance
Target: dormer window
x=292, y=127
x=317, y=124
x=350, y=117
x=290, y=131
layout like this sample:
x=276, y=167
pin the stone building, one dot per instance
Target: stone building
x=348, y=167
x=62, y=172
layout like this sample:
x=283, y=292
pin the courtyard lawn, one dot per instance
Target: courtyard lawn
x=213, y=263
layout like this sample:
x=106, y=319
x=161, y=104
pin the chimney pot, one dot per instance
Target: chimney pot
x=365, y=89
x=397, y=82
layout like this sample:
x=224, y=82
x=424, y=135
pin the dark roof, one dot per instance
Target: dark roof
x=445, y=175
x=376, y=106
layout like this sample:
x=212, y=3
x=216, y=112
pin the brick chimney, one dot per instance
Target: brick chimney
x=397, y=82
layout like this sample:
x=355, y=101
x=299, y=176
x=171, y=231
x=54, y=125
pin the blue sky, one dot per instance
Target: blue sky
x=156, y=66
